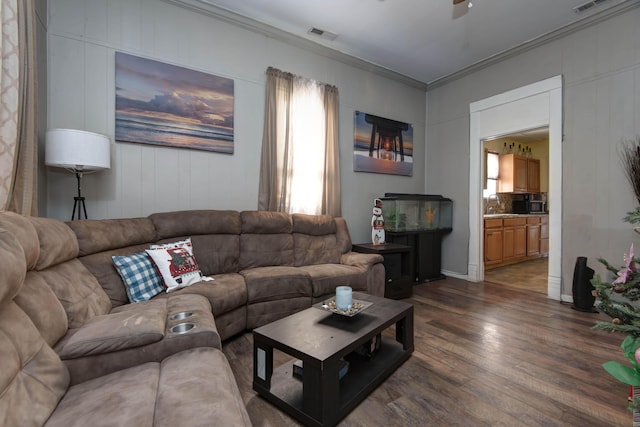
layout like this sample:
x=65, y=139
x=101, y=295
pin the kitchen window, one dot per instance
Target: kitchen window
x=492, y=171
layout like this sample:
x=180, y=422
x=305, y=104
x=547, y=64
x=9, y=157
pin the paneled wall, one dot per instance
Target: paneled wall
x=601, y=70
x=82, y=39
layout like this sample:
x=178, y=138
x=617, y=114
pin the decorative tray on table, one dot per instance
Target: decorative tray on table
x=357, y=306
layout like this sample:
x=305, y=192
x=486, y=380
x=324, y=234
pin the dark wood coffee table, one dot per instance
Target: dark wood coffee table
x=320, y=339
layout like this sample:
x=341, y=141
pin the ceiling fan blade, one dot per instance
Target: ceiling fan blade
x=458, y=1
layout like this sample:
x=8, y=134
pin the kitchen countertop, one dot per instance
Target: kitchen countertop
x=511, y=215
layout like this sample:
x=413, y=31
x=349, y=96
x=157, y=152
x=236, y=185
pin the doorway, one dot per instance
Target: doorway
x=524, y=264
x=529, y=107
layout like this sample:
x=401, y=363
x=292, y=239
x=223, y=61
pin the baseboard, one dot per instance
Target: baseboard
x=456, y=275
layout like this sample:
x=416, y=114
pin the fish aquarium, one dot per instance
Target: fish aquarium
x=416, y=212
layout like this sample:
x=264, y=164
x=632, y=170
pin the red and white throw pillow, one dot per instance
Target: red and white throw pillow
x=177, y=266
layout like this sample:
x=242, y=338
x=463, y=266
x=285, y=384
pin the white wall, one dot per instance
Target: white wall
x=601, y=70
x=82, y=39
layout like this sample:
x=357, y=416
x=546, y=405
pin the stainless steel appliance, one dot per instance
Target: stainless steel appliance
x=527, y=205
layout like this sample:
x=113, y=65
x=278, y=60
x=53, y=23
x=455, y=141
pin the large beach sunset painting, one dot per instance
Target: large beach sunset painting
x=163, y=104
x=382, y=145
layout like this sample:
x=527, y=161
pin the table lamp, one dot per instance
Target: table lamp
x=79, y=152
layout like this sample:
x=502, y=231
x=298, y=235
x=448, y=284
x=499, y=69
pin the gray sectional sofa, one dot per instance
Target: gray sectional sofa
x=84, y=355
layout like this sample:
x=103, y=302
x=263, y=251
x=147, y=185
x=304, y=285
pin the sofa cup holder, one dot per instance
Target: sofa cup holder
x=182, y=328
x=182, y=315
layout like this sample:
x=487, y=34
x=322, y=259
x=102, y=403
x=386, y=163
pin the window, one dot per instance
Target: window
x=300, y=165
x=492, y=173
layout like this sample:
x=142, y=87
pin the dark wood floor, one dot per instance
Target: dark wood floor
x=532, y=275
x=485, y=355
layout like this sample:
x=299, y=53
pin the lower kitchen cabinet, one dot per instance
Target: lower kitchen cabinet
x=493, y=241
x=514, y=244
x=544, y=235
x=516, y=238
x=533, y=236
x=493, y=246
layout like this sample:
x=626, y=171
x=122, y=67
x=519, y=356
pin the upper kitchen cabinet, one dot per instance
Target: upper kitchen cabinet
x=518, y=174
x=533, y=176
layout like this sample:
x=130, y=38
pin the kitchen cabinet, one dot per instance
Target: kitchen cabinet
x=533, y=236
x=514, y=243
x=544, y=235
x=513, y=238
x=518, y=174
x=493, y=241
x=533, y=175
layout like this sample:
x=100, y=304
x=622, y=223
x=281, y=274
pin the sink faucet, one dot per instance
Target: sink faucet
x=490, y=207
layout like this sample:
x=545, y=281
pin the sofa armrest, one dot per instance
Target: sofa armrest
x=374, y=265
x=106, y=344
x=360, y=259
x=114, y=332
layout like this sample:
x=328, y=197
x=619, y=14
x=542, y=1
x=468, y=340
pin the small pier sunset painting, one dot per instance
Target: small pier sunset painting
x=163, y=104
x=382, y=145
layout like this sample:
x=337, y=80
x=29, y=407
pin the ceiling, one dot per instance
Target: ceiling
x=424, y=40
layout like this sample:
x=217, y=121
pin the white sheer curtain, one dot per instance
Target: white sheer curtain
x=300, y=156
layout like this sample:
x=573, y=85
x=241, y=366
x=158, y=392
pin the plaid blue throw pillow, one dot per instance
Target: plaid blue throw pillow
x=140, y=276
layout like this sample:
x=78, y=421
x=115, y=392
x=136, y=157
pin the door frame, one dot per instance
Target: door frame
x=529, y=107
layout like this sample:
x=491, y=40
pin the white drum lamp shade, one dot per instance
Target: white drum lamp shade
x=78, y=150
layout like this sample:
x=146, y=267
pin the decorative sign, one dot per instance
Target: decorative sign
x=382, y=145
x=163, y=104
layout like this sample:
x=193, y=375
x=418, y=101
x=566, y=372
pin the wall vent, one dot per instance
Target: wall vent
x=322, y=33
x=588, y=5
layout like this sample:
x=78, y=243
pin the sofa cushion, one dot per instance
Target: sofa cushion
x=194, y=387
x=326, y=277
x=195, y=222
x=266, y=222
x=314, y=225
x=225, y=293
x=32, y=377
x=263, y=250
x=140, y=276
x=57, y=242
x=312, y=249
x=101, y=267
x=217, y=401
x=105, y=234
x=42, y=306
x=78, y=291
x=217, y=253
x=116, y=331
x=276, y=283
x=14, y=267
x=124, y=398
x=342, y=234
x=24, y=231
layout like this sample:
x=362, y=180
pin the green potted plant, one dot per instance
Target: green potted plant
x=615, y=299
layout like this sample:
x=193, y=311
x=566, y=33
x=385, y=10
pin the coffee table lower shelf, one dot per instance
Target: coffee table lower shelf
x=363, y=377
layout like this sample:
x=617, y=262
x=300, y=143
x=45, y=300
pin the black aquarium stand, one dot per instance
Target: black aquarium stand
x=397, y=267
x=427, y=252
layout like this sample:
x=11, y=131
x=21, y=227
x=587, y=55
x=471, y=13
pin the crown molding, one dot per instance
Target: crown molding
x=202, y=7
